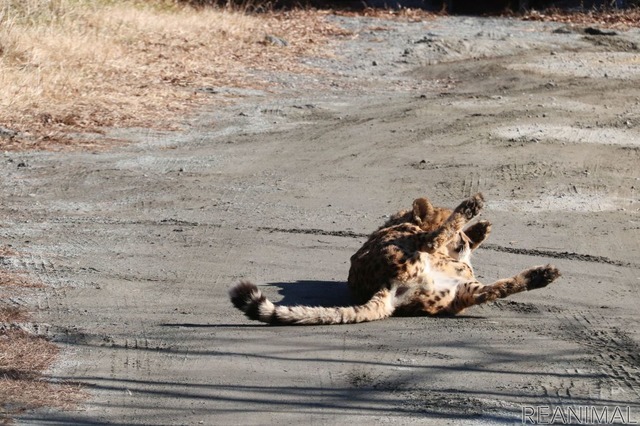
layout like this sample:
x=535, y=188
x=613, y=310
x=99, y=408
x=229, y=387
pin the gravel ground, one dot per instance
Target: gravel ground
x=139, y=245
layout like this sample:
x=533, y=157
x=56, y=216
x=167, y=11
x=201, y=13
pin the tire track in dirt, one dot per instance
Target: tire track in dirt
x=614, y=354
x=493, y=247
x=611, y=357
x=560, y=255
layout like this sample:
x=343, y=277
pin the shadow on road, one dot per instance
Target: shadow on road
x=314, y=293
x=401, y=395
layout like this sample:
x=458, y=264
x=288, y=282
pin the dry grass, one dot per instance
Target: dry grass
x=615, y=18
x=69, y=66
x=23, y=358
x=23, y=355
x=16, y=279
x=403, y=14
x=7, y=251
x=12, y=315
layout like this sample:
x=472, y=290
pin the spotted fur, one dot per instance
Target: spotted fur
x=417, y=263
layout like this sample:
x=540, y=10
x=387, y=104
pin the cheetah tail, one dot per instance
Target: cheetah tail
x=249, y=299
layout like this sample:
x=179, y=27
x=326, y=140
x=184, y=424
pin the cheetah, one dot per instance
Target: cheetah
x=416, y=264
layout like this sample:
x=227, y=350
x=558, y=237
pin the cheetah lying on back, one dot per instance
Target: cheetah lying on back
x=417, y=263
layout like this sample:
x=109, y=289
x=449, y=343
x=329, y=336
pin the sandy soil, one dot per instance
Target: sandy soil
x=139, y=245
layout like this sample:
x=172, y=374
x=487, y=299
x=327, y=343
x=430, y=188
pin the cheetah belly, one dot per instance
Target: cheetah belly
x=445, y=282
x=435, y=280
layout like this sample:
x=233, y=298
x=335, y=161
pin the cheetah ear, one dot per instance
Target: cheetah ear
x=422, y=209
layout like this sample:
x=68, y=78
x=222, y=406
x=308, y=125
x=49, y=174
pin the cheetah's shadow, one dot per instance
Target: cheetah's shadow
x=314, y=293
x=302, y=292
x=330, y=294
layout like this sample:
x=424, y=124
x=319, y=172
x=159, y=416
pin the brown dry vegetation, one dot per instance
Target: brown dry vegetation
x=7, y=251
x=615, y=18
x=12, y=315
x=69, y=66
x=15, y=279
x=25, y=357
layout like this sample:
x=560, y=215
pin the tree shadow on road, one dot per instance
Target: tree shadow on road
x=401, y=398
x=404, y=382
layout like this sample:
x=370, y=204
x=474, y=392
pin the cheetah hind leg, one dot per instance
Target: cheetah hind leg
x=474, y=293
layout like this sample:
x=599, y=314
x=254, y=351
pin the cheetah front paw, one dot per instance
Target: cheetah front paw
x=478, y=232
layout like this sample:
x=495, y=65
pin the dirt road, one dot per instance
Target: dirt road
x=139, y=245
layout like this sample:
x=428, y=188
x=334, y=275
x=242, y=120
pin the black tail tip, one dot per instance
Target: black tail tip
x=243, y=293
